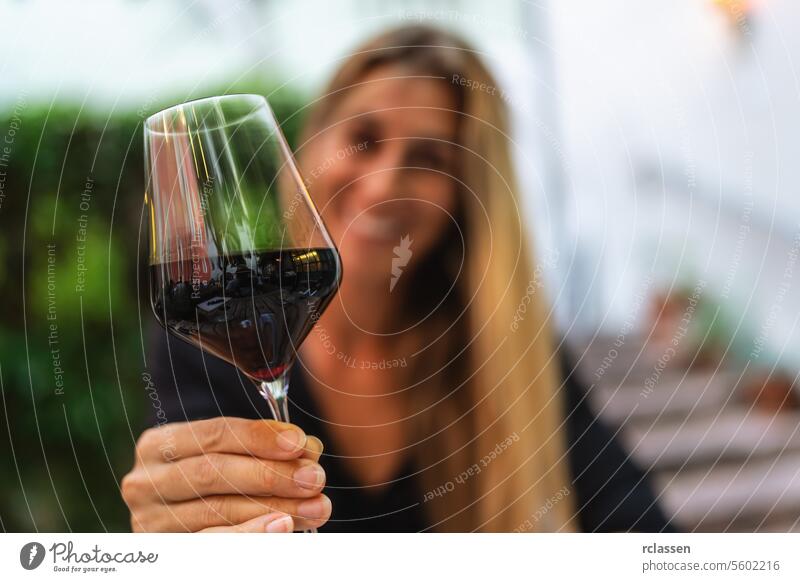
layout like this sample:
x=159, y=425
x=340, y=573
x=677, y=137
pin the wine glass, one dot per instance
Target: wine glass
x=241, y=264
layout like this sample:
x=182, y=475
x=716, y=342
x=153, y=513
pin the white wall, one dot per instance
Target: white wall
x=681, y=130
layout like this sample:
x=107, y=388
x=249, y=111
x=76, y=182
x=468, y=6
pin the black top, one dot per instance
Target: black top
x=612, y=493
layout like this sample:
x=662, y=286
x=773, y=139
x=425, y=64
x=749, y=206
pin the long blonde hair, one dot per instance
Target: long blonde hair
x=492, y=449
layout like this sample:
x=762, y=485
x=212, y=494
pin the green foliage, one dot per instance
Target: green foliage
x=71, y=341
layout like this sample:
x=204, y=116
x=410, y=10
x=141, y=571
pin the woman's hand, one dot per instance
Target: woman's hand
x=226, y=474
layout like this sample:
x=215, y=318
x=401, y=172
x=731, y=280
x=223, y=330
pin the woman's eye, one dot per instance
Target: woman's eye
x=430, y=159
x=364, y=139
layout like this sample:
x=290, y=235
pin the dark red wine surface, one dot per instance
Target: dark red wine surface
x=252, y=310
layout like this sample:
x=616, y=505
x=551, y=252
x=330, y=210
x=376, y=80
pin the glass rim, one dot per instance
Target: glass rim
x=152, y=123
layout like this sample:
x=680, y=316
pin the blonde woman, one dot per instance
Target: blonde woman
x=441, y=405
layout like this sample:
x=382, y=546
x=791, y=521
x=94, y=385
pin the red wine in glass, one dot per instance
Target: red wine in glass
x=252, y=311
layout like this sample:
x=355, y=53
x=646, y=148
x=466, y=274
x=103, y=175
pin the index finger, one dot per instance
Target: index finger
x=266, y=439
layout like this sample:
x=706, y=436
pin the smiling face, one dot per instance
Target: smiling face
x=383, y=168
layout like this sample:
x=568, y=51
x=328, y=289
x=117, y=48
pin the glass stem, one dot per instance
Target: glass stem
x=276, y=393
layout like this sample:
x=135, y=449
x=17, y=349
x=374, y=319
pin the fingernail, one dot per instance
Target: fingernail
x=310, y=476
x=281, y=525
x=316, y=443
x=315, y=508
x=291, y=440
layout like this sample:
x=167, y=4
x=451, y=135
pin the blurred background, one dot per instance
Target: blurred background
x=657, y=145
